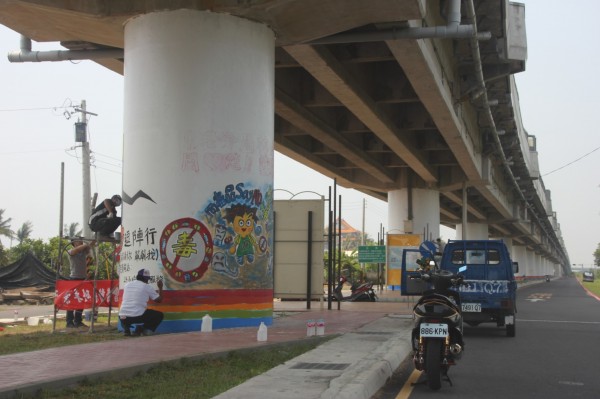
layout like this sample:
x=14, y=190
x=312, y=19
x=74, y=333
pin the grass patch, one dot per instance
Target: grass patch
x=189, y=378
x=24, y=338
x=180, y=379
x=593, y=287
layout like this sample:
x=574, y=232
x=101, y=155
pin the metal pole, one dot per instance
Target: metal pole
x=96, y=252
x=464, y=211
x=334, y=246
x=362, y=236
x=329, y=260
x=309, y=262
x=339, y=258
x=273, y=251
x=60, y=233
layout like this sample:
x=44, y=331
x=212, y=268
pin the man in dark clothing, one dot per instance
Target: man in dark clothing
x=104, y=219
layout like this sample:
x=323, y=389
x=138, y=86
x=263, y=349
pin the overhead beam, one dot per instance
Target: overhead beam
x=332, y=75
x=287, y=108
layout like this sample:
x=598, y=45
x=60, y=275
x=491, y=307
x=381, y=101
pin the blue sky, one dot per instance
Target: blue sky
x=559, y=105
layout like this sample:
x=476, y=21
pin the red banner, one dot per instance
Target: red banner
x=77, y=294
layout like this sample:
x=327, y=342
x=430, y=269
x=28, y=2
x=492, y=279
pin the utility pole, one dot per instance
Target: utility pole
x=81, y=135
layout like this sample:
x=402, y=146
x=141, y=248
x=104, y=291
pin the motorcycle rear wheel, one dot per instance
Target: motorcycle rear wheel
x=433, y=352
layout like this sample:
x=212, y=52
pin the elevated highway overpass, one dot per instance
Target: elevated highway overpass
x=383, y=95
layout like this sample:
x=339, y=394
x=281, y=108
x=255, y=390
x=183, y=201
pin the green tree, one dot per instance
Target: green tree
x=597, y=256
x=38, y=248
x=5, y=226
x=72, y=230
x=348, y=263
x=59, y=256
x=3, y=256
x=24, y=231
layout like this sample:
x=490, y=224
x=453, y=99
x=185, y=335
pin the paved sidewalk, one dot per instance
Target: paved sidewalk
x=374, y=339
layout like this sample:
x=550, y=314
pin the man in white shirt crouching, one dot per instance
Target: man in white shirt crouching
x=134, y=306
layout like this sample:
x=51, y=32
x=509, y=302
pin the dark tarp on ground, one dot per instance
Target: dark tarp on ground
x=27, y=272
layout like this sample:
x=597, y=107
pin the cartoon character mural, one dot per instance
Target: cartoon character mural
x=240, y=219
x=243, y=219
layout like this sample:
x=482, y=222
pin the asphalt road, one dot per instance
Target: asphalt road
x=555, y=354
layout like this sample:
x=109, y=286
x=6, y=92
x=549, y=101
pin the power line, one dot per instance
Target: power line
x=32, y=109
x=30, y=151
x=572, y=162
x=108, y=156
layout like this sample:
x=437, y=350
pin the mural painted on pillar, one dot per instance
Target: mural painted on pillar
x=241, y=217
x=226, y=244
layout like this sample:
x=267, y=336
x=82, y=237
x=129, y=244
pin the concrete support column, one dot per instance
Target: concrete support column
x=520, y=255
x=475, y=231
x=531, y=267
x=415, y=211
x=509, y=245
x=545, y=266
x=198, y=165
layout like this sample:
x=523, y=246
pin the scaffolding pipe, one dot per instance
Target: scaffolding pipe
x=452, y=30
x=26, y=55
x=435, y=32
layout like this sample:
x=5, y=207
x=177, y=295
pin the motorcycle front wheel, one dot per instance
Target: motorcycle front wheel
x=433, y=352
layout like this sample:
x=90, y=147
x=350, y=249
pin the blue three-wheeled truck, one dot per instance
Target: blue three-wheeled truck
x=489, y=291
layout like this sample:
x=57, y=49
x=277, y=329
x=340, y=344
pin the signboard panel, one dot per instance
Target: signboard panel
x=396, y=244
x=371, y=254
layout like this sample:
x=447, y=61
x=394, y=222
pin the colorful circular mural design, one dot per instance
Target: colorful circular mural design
x=186, y=249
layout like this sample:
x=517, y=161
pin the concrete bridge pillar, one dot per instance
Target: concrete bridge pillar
x=519, y=254
x=475, y=231
x=531, y=265
x=415, y=211
x=509, y=245
x=198, y=165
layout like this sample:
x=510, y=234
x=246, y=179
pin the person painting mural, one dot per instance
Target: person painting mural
x=243, y=220
x=134, y=305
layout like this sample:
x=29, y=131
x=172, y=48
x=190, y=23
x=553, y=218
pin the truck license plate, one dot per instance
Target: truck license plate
x=434, y=330
x=471, y=307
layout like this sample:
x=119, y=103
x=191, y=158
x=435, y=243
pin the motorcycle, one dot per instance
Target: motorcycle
x=437, y=336
x=359, y=292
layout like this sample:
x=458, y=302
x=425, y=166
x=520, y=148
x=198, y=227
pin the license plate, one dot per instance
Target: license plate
x=471, y=307
x=434, y=330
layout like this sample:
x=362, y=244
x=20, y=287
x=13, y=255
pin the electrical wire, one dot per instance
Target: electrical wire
x=572, y=162
x=30, y=151
x=32, y=109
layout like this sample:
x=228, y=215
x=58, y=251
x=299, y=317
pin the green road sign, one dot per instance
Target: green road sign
x=371, y=254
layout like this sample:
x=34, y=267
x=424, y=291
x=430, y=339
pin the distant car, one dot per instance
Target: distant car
x=588, y=276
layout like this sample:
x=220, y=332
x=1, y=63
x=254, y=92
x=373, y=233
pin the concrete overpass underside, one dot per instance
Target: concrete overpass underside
x=377, y=112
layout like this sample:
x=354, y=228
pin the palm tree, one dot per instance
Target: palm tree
x=5, y=226
x=25, y=231
x=72, y=230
